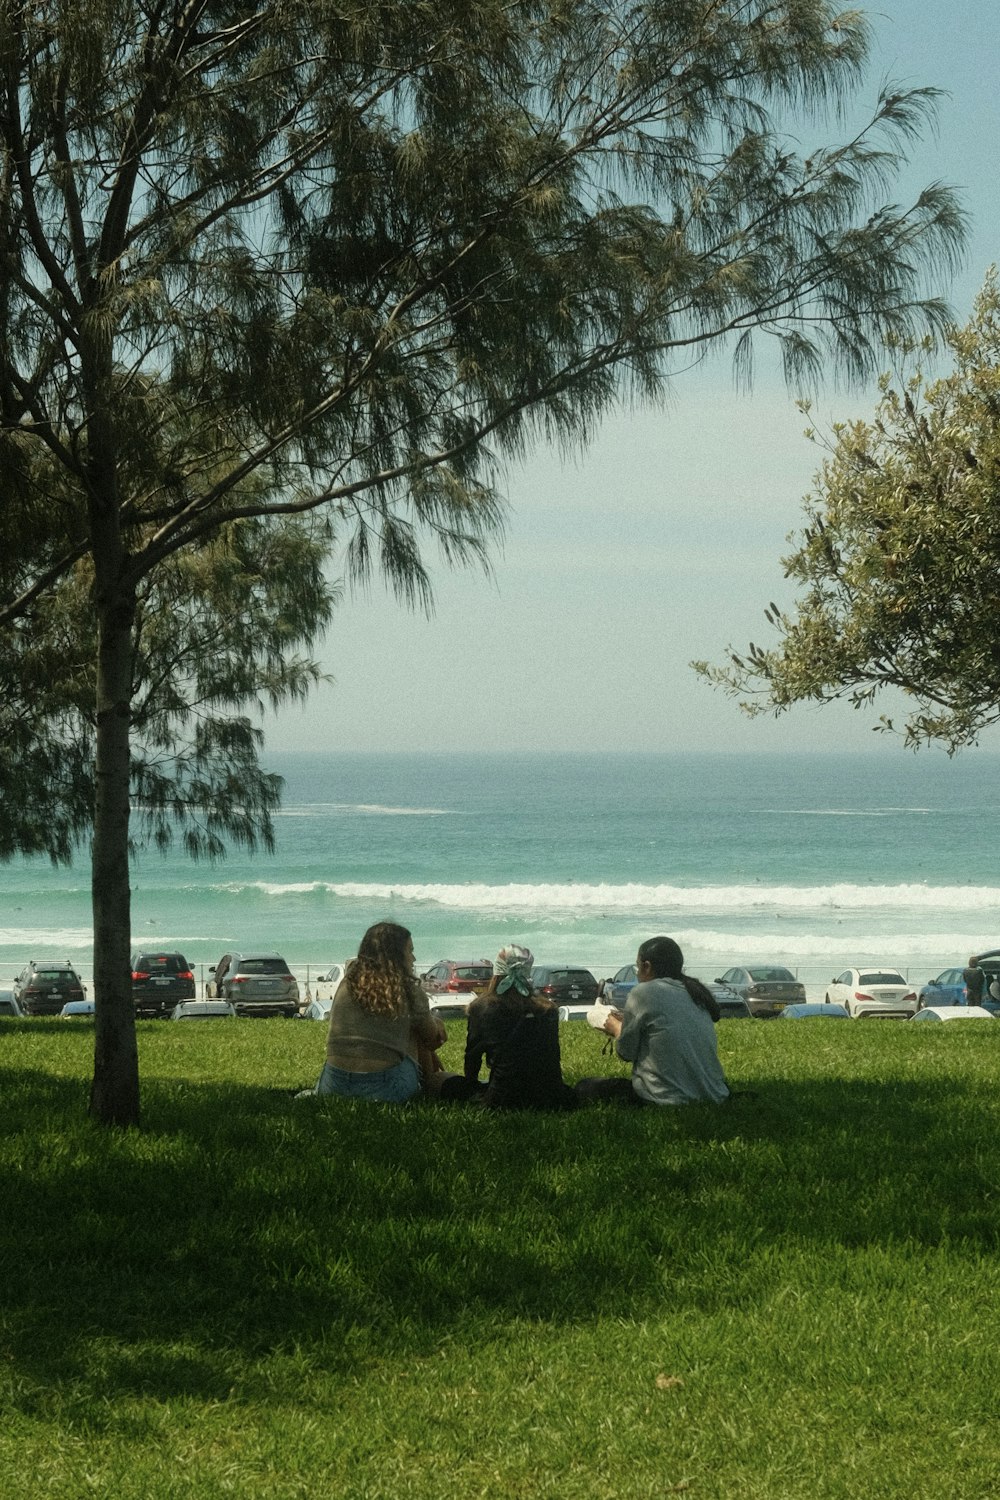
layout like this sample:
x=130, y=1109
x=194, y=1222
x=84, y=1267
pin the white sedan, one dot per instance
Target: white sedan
x=872, y=992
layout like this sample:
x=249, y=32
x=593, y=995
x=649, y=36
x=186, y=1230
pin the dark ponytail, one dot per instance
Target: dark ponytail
x=667, y=962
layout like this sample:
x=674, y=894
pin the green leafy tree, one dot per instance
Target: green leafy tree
x=350, y=256
x=898, y=560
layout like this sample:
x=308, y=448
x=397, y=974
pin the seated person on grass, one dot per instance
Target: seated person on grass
x=382, y=1040
x=518, y=1033
x=667, y=1033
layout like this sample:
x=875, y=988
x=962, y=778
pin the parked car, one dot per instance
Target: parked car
x=457, y=976
x=766, y=988
x=451, y=1007
x=731, y=1007
x=202, y=1010
x=989, y=962
x=77, y=1008
x=564, y=985
x=872, y=992
x=324, y=985
x=617, y=990
x=257, y=984
x=8, y=1005
x=159, y=980
x=43, y=987
x=317, y=1010
x=814, y=1008
x=334, y=974
x=953, y=1013
x=947, y=989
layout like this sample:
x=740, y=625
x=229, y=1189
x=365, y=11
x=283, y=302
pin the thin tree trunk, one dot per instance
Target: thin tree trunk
x=114, y=1097
x=114, y=1094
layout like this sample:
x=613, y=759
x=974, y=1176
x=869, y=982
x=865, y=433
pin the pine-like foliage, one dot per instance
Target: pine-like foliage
x=366, y=249
x=220, y=628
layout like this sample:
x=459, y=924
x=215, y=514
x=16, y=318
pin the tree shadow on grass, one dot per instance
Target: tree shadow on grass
x=242, y=1231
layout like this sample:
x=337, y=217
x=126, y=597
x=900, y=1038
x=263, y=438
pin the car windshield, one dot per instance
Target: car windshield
x=468, y=971
x=571, y=976
x=263, y=966
x=171, y=963
x=881, y=976
x=51, y=974
x=770, y=973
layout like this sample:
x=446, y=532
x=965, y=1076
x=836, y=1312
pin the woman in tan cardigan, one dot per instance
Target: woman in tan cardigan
x=381, y=1028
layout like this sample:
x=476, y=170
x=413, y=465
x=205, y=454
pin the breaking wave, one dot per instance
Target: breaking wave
x=758, y=899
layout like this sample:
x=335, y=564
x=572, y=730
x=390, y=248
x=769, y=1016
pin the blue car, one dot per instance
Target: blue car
x=616, y=991
x=947, y=989
x=814, y=1008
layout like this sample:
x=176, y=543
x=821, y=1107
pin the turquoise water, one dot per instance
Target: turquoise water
x=812, y=860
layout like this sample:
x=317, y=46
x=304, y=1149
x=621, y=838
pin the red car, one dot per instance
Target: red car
x=453, y=976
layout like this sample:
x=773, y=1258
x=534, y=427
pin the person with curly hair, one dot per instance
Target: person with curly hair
x=518, y=1034
x=381, y=1027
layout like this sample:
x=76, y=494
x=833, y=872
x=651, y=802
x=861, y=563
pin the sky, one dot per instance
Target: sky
x=661, y=542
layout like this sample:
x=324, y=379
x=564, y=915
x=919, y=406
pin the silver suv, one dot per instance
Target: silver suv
x=256, y=984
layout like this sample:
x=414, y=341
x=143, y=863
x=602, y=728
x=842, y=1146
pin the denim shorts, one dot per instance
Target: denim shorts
x=390, y=1085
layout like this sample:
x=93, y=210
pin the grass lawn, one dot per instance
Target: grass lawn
x=791, y=1297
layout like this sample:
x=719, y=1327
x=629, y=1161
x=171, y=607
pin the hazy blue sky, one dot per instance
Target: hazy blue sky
x=661, y=542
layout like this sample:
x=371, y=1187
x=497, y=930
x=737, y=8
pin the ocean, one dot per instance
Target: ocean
x=816, y=861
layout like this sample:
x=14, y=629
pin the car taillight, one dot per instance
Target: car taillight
x=911, y=996
x=859, y=996
x=140, y=974
x=548, y=989
x=452, y=984
x=239, y=979
x=185, y=974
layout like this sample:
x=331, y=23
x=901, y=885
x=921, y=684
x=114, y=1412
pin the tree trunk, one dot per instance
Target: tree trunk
x=114, y=1096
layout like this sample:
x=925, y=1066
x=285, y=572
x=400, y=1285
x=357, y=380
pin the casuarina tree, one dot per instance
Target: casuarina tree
x=345, y=258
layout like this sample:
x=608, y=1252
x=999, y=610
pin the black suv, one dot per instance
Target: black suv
x=564, y=986
x=42, y=988
x=159, y=981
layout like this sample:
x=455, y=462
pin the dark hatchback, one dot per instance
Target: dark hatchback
x=564, y=986
x=43, y=988
x=160, y=981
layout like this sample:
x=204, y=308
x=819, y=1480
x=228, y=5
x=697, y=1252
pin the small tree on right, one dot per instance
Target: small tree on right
x=899, y=559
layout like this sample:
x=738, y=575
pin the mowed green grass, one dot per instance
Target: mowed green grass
x=793, y=1296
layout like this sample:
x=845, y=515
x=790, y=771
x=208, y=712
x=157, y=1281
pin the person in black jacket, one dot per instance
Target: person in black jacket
x=975, y=982
x=518, y=1034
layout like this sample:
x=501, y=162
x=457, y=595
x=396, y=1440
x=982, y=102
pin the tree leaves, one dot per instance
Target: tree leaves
x=899, y=558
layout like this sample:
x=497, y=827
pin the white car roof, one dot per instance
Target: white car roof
x=953, y=1013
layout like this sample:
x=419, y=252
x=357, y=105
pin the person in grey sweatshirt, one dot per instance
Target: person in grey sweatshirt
x=667, y=1033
